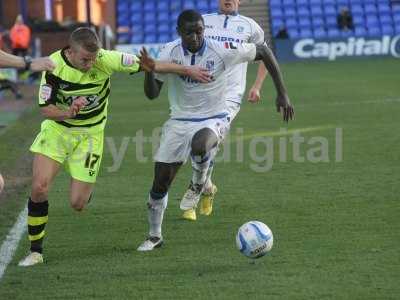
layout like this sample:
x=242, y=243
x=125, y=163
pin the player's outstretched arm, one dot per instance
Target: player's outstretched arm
x=38, y=64
x=254, y=92
x=283, y=105
x=152, y=86
x=52, y=112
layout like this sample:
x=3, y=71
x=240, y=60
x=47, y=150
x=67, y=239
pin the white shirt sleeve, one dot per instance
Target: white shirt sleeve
x=257, y=36
x=237, y=53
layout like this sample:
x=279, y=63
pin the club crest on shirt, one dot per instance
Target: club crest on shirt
x=210, y=65
x=240, y=29
x=45, y=92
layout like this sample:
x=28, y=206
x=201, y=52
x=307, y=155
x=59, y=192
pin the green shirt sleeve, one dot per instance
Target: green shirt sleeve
x=115, y=61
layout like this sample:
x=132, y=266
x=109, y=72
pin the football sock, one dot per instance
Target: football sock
x=37, y=220
x=201, y=166
x=208, y=184
x=156, y=206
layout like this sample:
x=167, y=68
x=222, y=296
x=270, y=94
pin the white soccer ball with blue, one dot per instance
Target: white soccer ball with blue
x=254, y=239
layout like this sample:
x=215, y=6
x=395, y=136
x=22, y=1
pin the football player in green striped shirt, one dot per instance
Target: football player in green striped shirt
x=74, y=99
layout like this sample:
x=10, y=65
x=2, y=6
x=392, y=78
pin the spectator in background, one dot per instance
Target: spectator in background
x=106, y=35
x=345, y=20
x=282, y=33
x=20, y=35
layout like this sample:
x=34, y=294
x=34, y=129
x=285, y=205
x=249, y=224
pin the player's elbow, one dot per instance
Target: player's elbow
x=45, y=112
x=151, y=94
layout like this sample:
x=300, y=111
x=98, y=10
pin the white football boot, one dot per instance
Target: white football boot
x=32, y=259
x=150, y=243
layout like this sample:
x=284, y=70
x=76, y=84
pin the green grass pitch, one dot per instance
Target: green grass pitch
x=336, y=224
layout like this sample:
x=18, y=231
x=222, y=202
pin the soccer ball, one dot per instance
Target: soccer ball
x=254, y=239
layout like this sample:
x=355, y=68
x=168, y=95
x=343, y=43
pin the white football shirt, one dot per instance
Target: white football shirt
x=190, y=99
x=239, y=29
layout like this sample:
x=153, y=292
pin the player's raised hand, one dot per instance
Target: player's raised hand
x=200, y=74
x=147, y=64
x=76, y=106
x=254, y=95
x=284, y=107
x=42, y=64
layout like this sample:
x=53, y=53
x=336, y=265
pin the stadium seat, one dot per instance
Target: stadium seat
x=370, y=9
x=136, y=18
x=315, y=3
x=163, y=6
x=304, y=23
x=333, y=33
x=360, y=32
x=150, y=6
x=356, y=1
x=150, y=28
x=374, y=31
x=290, y=12
x=122, y=7
x=150, y=38
x=317, y=22
x=175, y=5
x=342, y=3
x=293, y=33
x=328, y=2
x=383, y=7
x=397, y=28
x=331, y=21
x=387, y=29
x=163, y=28
x=189, y=4
x=316, y=10
x=289, y=3
x=357, y=9
x=291, y=23
x=136, y=39
x=305, y=33
x=346, y=33
x=303, y=12
x=275, y=4
x=302, y=3
x=136, y=7
x=164, y=38
x=150, y=17
x=277, y=23
x=371, y=20
x=396, y=18
x=163, y=16
x=276, y=13
x=359, y=20
x=386, y=20
x=319, y=33
x=330, y=10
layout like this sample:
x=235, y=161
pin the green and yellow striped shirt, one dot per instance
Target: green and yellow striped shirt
x=61, y=86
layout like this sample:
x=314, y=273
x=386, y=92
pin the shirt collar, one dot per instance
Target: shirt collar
x=234, y=13
x=199, y=52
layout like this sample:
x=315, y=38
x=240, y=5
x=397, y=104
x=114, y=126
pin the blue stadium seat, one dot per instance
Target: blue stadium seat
x=387, y=29
x=358, y=20
x=293, y=33
x=304, y=23
x=386, y=19
x=305, y=33
x=291, y=23
x=396, y=18
x=162, y=6
x=276, y=13
x=371, y=20
x=150, y=6
x=275, y=4
x=136, y=7
x=175, y=5
x=290, y=12
x=329, y=2
x=383, y=7
x=342, y=3
x=317, y=22
x=303, y=12
x=123, y=38
x=277, y=23
x=213, y=5
x=370, y=9
x=333, y=33
x=164, y=38
x=357, y=9
x=356, y=1
x=122, y=7
x=289, y=3
x=136, y=39
x=202, y=5
x=137, y=18
x=331, y=21
x=163, y=16
x=189, y=4
x=360, y=32
x=396, y=8
x=163, y=28
x=374, y=31
x=302, y=3
x=150, y=28
x=316, y=11
x=150, y=38
x=123, y=20
x=397, y=28
x=150, y=17
x=315, y=3
x=330, y=10
x=319, y=33
x=346, y=33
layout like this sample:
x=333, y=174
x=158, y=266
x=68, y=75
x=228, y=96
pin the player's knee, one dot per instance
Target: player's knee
x=160, y=187
x=40, y=189
x=203, y=141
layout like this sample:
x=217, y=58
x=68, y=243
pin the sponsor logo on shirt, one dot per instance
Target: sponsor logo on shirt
x=127, y=60
x=229, y=45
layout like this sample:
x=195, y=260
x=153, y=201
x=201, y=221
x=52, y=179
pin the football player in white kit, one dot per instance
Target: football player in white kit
x=227, y=26
x=199, y=114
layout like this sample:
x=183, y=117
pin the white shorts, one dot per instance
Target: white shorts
x=176, y=137
x=233, y=109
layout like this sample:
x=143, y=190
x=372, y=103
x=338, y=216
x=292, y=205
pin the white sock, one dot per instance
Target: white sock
x=156, y=208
